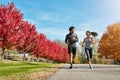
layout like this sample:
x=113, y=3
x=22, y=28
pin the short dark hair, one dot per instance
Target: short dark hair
x=71, y=28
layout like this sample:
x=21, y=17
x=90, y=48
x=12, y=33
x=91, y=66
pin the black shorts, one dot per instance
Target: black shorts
x=72, y=50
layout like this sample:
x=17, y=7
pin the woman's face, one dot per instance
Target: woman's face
x=87, y=34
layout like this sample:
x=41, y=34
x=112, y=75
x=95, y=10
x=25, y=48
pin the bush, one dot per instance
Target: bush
x=95, y=59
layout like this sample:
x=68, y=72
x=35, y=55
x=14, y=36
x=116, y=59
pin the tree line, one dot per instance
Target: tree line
x=16, y=33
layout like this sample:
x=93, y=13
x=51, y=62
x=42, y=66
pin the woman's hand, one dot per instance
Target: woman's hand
x=82, y=43
x=90, y=39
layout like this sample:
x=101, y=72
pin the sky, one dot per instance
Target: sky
x=54, y=17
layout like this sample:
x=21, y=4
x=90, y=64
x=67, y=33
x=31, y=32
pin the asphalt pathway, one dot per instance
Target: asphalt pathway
x=82, y=72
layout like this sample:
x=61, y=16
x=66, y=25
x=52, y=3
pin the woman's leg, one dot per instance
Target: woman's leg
x=91, y=53
x=89, y=56
x=87, y=53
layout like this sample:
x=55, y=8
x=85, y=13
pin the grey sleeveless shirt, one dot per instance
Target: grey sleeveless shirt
x=88, y=43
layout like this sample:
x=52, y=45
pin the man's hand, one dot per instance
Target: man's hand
x=67, y=43
x=74, y=39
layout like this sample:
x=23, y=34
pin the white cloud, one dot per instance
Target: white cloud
x=60, y=33
x=31, y=21
x=56, y=32
x=51, y=17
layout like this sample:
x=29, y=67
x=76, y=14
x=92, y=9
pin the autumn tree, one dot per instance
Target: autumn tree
x=40, y=49
x=10, y=19
x=27, y=38
x=16, y=33
x=109, y=45
x=50, y=50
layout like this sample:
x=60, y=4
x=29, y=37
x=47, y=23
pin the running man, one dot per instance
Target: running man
x=70, y=40
x=88, y=46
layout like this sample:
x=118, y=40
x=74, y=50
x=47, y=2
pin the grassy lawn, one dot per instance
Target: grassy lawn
x=26, y=70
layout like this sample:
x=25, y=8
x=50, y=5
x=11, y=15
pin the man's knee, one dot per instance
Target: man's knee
x=74, y=56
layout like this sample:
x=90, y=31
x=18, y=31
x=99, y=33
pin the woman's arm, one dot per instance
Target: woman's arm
x=83, y=42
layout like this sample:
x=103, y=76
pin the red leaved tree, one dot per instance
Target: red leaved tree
x=27, y=38
x=40, y=48
x=50, y=50
x=10, y=19
x=23, y=36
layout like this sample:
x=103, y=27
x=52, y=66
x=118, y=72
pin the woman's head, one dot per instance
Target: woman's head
x=94, y=34
x=88, y=33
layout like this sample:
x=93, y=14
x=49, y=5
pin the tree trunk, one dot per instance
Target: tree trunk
x=24, y=58
x=37, y=58
x=31, y=59
x=2, y=55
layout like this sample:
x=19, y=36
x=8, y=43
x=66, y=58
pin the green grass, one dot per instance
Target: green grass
x=7, y=69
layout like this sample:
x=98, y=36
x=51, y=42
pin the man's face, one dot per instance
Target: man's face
x=72, y=31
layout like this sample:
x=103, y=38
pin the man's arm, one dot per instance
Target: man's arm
x=66, y=39
x=75, y=38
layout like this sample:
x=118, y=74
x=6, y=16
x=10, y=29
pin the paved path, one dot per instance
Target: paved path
x=82, y=72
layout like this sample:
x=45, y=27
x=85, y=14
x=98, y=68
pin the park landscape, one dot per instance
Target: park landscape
x=27, y=54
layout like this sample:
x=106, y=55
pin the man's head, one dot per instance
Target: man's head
x=72, y=29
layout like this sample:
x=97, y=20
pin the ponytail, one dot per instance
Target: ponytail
x=94, y=34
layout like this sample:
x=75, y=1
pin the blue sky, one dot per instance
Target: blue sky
x=53, y=17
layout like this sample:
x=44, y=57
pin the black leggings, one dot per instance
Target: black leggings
x=88, y=53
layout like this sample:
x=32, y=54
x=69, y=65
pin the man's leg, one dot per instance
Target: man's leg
x=71, y=56
x=71, y=61
x=74, y=53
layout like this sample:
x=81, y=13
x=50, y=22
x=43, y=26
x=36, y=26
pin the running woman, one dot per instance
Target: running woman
x=70, y=40
x=88, y=46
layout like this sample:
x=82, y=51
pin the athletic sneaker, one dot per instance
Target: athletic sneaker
x=71, y=66
x=91, y=67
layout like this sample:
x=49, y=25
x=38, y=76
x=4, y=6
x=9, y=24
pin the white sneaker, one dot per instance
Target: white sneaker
x=90, y=65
